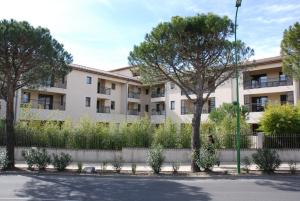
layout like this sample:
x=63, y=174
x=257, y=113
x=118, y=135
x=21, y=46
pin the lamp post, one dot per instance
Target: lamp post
x=238, y=133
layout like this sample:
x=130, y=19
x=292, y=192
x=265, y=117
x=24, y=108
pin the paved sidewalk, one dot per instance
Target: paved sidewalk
x=230, y=167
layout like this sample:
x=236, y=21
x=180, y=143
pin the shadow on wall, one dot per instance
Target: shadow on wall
x=104, y=189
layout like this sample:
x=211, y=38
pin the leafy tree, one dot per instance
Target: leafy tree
x=28, y=55
x=290, y=50
x=280, y=120
x=226, y=109
x=196, y=54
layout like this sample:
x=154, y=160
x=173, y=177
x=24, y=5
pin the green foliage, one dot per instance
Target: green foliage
x=60, y=162
x=3, y=159
x=226, y=110
x=38, y=158
x=175, y=167
x=166, y=135
x=79, y=167
x=280, y=120
x=207, y=158
x=117, y=163
x=290, y=50
x=292, y=166
x=185, y=135
x=267, y=160
x=246, y=161
x=156, y=158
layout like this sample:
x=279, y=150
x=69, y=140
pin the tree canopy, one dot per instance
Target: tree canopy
x=290, y=50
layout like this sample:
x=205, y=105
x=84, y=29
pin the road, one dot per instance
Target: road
x=75, y=188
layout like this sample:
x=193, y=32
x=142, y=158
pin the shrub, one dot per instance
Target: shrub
x=3, y=159
x=246, y=161
x=60, y=162
x=103, y=166
x=166, y=135
x=156, y=158
x=36, y=158
x=292, y=166
x=175, y=167
x=133, y=168
x=79, y=167
x=117, y=163
x=207, y=158
x=267, y=160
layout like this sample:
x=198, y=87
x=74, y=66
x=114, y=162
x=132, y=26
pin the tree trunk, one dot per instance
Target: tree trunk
x=10, y=134
x=196, y=134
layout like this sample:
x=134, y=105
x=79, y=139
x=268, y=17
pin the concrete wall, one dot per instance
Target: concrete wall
x=139, y=155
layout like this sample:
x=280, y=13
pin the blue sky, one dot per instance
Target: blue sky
x=100, y=33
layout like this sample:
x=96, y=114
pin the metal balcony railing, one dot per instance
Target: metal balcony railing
x=105, y=109
x=188, y=110
x=135, y=95
x=44, y=104
x=103, y=90
x=58, y=84
x=259, y=107
x=157, y=95
x=249, y=84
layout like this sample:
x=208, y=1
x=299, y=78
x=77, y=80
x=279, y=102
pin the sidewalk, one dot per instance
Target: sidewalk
x=143, y=167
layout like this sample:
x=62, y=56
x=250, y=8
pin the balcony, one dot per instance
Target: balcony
x=52, y=83
x=160, y=112
x=104, y=109
x=44, y=104
x=103, y=90
x=133, y=112
x=250, y=84
x=187, y=110
x=134, y=95
x=259, y=107
x=157, y=95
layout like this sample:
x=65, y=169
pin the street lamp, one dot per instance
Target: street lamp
x=238, y=133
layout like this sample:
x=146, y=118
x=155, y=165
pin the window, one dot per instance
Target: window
x=282, y=77
x=112, y=105
x=45, y=101
x=88, y=80
x=172, y=105
x=62, y=100
x=113, y=86
x=172, y=85
x=146, y=108
x=283, y=99
x=139, y=107
x=26, y=97
x=87, y=101
x=139, y=90
x=147, y=91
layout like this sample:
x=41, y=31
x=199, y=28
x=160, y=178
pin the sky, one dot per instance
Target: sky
x=101, y=33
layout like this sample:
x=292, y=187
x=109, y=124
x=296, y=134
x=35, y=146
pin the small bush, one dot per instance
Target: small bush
x=292, y=166
x=103, y=166
x=38, y=158
x=79, y=167
x=246, y=161
x=267, y=160
x=60, y=162
x=207, y=158
x=3, y=159
x=156, y=158
x=175, y=167
x=117, y=164
x=133, y=168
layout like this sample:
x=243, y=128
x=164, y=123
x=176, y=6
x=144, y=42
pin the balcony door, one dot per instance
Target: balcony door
x=45, y=101
x=259, y=103
x=259, y=80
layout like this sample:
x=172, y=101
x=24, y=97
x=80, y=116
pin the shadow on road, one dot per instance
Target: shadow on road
x=101, y=188
x=292, y=184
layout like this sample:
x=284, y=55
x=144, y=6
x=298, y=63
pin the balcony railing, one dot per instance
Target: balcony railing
x=160, y=112
x=135, y=95
x=105, y=109
x=249, y=84
x=103, y=90
x=133, y=112
x=188, y=110
x=259, y=107
x=157, y=95
x=45, y=105
x=55, y=84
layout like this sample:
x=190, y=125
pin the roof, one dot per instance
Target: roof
x=119, y=69
x=104, y=73
x=265, y=61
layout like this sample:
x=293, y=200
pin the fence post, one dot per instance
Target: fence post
x=260, y=140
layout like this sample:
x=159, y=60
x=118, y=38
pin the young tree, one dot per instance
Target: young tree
x=28, y=56
x=290, y=51
x=193, y=52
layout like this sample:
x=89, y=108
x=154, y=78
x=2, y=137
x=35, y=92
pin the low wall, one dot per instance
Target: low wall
x=139, y=155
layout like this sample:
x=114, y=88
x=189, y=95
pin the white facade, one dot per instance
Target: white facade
x=118, y=96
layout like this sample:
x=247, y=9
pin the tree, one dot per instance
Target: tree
x=195, y=53
x=290, y=51
x=28, y=56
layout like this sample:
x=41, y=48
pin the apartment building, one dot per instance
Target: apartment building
x=117, y=96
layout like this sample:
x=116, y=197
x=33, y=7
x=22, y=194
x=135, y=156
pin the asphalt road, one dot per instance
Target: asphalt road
x=39, y=187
